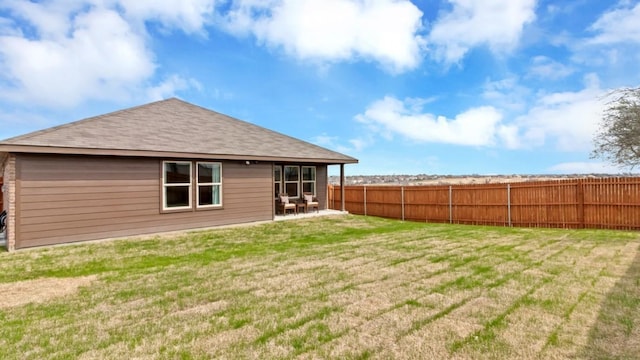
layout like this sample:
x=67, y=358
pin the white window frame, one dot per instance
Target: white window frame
x=315, y=176
x=276, y=181
x=212, y=184
x=297, y=182
x=165, y=186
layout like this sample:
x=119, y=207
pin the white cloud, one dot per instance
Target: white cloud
x=616, y=26
x=99, y=59
x=325, y=140
x=360, y=143
x=189, y=16
x=564, y=120
x=614, y=45
x=49, y=19
x=506, y=93
x=385, y=31
x=332, y=142
x=170, y=86
x=567, y=119
x=497, y=24
x=62, y=53
x=475, y=127
x=546, y=68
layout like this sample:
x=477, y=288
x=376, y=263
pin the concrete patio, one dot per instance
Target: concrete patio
x=327, y=212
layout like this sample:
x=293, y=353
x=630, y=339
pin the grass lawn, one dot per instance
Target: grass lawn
x=345, y=287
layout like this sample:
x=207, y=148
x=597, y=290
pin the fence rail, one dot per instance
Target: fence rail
x=607, y=203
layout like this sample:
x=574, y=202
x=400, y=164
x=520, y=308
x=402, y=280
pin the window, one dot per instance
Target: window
x=209, y=184
x=309, y=179
x=176, y=183
x=277, y=181
x=179, y=180
x=292, y=180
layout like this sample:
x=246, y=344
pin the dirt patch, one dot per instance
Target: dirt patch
x=40, y=290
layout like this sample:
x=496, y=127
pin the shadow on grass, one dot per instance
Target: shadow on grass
x=616, y=333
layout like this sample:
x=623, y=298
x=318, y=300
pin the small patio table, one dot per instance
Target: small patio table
x=301, y=206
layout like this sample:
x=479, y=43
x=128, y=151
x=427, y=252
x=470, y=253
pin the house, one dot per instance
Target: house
x=165, y=166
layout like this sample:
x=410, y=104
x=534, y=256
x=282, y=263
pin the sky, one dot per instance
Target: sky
x=407, y=87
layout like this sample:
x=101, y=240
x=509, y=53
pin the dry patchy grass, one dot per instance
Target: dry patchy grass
x=345, y=287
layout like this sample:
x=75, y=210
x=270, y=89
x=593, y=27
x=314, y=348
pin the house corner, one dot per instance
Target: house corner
x=9, y=201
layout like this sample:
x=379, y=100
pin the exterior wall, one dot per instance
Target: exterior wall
x=75, y=198
x=9, y=201
x=321, y=186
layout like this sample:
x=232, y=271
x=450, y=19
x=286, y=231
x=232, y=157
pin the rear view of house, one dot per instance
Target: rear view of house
x=164, y=166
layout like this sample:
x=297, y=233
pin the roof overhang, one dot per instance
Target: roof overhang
x=31, y=149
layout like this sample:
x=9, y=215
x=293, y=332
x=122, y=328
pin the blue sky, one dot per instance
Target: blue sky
x=407, y=87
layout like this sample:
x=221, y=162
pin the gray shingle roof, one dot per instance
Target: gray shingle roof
x=175, y=127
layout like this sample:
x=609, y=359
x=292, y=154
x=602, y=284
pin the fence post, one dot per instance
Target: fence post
x=450, y=206
x=580, y=195
x=509, y=203
x=402, y=194
x=365, y=200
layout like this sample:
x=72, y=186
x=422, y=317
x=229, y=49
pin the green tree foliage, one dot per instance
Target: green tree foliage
x=618, y=139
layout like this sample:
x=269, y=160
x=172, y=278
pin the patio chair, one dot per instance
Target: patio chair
x=283, y=204
x=3, y=220
x=311, y=202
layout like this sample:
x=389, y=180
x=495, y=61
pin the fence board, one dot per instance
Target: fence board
x=480, y=204
x=430, y=204
x=384, y=201
x=612, y=203
x=545, y=204
x=615, y=202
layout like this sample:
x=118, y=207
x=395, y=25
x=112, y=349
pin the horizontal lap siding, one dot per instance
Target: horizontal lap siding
x=321, y=186
x=75, y=198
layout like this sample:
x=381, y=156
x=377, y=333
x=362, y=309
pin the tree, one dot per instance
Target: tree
x=618, y=139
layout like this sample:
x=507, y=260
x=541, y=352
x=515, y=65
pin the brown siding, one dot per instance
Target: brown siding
x=321, y=185
x=75, y=198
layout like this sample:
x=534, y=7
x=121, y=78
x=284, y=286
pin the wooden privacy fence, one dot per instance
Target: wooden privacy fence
x=607, y=203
